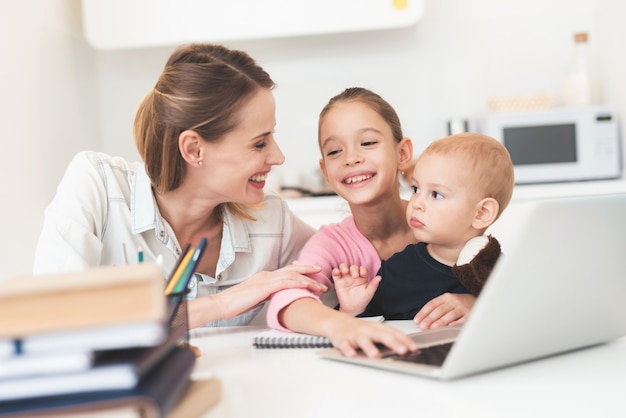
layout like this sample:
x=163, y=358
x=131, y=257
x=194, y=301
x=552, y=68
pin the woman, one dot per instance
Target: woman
x=205, y=135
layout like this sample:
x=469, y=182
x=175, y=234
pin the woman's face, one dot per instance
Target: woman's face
x=359, y=154
x=237, y=165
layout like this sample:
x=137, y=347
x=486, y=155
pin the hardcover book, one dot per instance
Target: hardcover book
x=94, y=297
x=154, y=395
x=103, y=370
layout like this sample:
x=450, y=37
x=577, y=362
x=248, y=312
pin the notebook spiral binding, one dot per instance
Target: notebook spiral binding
x=292, y=341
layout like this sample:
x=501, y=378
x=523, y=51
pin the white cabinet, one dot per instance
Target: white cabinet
x=121, y=24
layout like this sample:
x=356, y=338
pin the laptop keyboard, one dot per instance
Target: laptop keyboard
x=432, y=356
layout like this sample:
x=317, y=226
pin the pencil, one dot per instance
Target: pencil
x=183, y=281
x=178, y=272
x=139, y=254
x=170, y=281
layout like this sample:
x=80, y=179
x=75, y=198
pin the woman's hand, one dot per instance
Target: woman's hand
x=249, y=293
x=444, y=310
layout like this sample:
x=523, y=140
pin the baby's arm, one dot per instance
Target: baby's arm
x=354, y=291
x=477, y=259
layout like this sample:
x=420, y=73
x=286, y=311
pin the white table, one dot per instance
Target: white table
x=295, y=383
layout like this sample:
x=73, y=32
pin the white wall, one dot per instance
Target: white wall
x=458, y=55
x=61, y=96
x=48, y=110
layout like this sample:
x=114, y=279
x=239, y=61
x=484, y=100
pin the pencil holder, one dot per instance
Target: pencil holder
x=178, y=317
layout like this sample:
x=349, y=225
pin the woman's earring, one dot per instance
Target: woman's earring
x=200, y=163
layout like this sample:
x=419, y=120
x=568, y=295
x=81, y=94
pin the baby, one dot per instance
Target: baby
x=461, y=184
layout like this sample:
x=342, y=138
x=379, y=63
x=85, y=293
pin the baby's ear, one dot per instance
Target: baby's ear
x=486, y=213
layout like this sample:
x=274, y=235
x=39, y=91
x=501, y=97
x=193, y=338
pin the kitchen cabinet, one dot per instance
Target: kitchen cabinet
x=122, y=24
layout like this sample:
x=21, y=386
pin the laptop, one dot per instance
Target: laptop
x=560, y=285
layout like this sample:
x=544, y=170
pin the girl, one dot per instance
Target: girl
x=363, y=151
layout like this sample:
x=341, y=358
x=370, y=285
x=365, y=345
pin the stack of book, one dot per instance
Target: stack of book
x=90, y=342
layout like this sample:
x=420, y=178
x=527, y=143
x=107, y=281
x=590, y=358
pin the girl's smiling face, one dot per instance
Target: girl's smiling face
x=359, y=154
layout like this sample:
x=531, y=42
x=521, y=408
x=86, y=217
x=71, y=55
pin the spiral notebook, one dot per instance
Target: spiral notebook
x=274, y=338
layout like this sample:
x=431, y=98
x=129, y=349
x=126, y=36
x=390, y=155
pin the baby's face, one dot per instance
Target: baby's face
x=444, y=200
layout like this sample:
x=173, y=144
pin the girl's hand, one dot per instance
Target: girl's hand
x=349, y=334
x=354, y=291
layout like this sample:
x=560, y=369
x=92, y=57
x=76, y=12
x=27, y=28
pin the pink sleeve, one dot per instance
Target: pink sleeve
x=330, y=246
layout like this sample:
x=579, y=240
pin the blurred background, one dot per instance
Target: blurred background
x=437, y=60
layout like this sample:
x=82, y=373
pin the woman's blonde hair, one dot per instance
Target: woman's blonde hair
x=201, y=88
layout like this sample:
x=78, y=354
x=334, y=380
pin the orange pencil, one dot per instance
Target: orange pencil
x=178, y=261
x=178, y=272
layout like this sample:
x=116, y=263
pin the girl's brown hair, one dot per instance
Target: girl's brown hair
x=371, y=99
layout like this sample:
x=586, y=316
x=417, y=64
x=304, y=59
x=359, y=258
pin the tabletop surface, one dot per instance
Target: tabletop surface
x=296, y=383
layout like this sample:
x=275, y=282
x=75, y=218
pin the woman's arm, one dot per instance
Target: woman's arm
x=249, y=293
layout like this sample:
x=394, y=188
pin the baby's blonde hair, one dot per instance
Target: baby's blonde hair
x=488, y=159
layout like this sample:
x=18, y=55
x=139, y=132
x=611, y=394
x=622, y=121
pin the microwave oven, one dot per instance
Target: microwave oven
x=561, y=144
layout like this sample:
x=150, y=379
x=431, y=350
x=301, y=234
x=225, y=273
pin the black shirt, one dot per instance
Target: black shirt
x=410, y=278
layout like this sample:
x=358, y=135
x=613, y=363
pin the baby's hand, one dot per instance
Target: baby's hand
x=444, y=310
x=354, y=291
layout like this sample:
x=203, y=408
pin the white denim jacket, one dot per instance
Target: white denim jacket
x=104, y=211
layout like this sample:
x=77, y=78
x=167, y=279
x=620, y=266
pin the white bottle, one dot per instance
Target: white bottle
x=577, y=80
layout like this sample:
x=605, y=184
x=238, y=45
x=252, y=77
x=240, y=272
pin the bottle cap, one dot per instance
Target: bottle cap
x=581, y=37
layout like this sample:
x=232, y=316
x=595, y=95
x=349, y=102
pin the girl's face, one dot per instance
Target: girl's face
x=237, y=165
x=444, y=201
x=359, y=154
